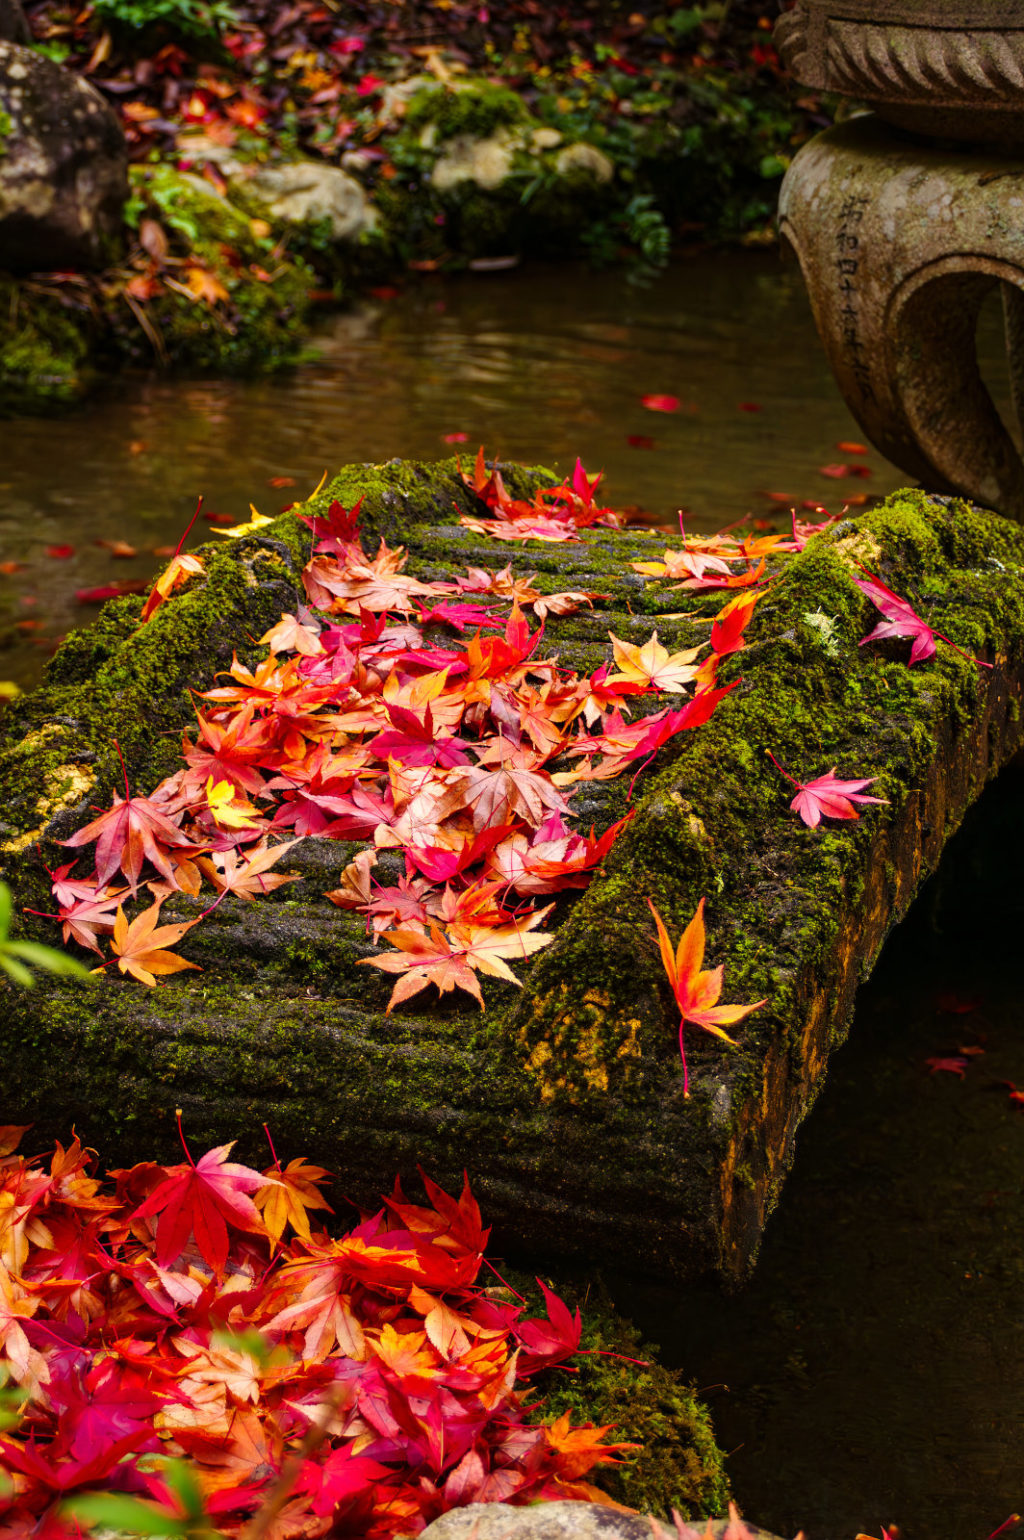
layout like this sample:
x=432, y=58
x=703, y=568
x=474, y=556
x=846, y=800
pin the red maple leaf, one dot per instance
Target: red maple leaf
x=953, y=1064
x=545, y=1343
x=132, y=830
x=201, y=1199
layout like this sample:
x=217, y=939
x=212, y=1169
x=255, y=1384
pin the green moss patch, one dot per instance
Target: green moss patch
x=565, y=1098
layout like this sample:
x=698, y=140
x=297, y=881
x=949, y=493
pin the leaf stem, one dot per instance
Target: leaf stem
x=682, y=1055
x=188, y=527
x=270, y=1141
x=791, y=779
x=124, y=771
x=181, y=1136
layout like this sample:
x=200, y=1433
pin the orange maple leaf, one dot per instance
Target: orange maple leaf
x=696, y=992
x=139, y=946
x=448, y=957
x=651, y=665
x=178, y=570
x=287, y=1196
x=204, y=285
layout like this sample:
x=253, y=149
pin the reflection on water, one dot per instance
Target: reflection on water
x=539, y=365
x=873, y=1372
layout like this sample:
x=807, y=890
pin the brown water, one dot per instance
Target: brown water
x=539, y=365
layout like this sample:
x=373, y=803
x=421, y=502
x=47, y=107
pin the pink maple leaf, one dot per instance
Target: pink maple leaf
x=902, y=620
x=827, y=797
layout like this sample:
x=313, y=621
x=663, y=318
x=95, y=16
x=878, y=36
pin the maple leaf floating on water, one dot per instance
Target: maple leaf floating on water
x=827, y=797
x=696, y=992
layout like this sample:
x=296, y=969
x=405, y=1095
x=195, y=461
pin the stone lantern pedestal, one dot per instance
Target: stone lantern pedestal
x=905, y=218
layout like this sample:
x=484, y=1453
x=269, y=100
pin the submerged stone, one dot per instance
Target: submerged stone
x=564, y=1100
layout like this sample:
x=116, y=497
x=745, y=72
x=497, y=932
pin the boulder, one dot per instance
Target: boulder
x=574, y=1521
x=298, y=192
x=63, y=167
x=564, y=1099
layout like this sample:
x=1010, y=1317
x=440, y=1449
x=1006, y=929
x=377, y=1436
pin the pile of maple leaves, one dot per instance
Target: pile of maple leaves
x=358, y=727
x=191, y=1313
x=461, y=754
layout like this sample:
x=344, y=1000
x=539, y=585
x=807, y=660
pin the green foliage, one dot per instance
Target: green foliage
x=17, y=959
x=44, y=343
x=134, y=1516
x=12, y=1399
x=192, y=19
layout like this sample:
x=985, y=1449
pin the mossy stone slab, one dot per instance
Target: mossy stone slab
x=564, y=1100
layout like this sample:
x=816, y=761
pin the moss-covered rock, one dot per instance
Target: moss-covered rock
x=565, y=1099
x=237, y=307
x=227, y=304
x=618, y=1380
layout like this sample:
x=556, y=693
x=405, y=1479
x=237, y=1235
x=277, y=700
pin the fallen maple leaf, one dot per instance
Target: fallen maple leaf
x=139, y=947
x=288, y=1195
x=952, y=1064
x=178, y=571
x=651, y=665
x=448, y=957
x=200, y=1199
x=132, y=830
x=902, y=620
x=229, y=810
x=246, y=876
x=826, y=797
x=290, y=635
x=203, y=285
x=696, y=992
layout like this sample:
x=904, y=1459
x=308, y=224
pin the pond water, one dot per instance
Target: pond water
x=875, y=1368
x=873, y=1371
x=539, y=365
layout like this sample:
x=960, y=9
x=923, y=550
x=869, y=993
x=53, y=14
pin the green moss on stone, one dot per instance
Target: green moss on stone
x=567, y=1097
x=260, y=327
x=476, y=108
x=45, y=341
x=678, y=1465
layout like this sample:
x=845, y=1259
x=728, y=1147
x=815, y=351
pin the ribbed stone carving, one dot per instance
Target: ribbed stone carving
x=949, y=70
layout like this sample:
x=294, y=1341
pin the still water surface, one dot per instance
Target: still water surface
x=539, y=365
x=876, y=1366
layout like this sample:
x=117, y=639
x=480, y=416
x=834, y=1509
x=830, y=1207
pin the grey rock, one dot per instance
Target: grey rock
x=295, y=191
x=301, y=191
x=573, y=1521
x=63, y=167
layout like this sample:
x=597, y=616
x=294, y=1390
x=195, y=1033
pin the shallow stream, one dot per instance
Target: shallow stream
x=875, y=1368
x=539, y=365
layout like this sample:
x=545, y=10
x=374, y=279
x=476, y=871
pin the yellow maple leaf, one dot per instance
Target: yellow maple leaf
x=652, y=664
x=258, y=521
x=228, y=811
x=204, y=285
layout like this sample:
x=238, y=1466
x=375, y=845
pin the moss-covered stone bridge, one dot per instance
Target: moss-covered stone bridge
x=564, y=1100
